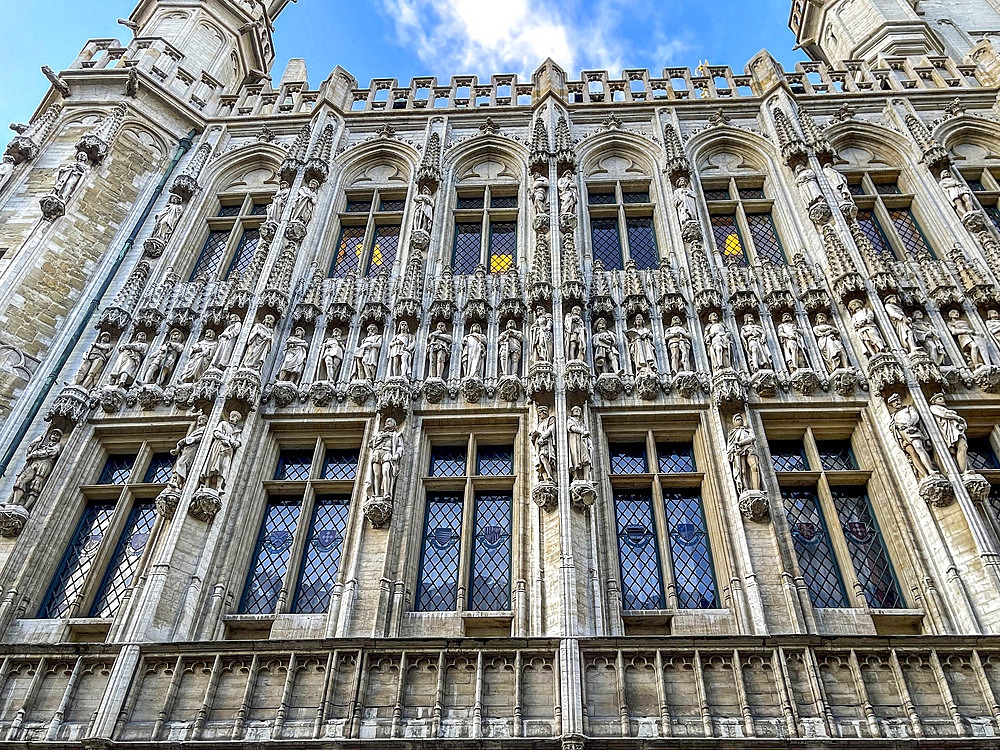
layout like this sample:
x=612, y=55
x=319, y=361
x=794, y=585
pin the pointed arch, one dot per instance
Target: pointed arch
x=483, y=158
x=729, y=150
x=853, y=139
x=970, y=139
x=379, y=161
x=617, y=152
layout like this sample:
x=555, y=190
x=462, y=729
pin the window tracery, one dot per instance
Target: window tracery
x=371, y=225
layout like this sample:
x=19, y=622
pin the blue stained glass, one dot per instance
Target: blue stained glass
x=690, y=552
x=244, y=253
x=871, y=229
x=636, y=196
x=384, y=248
x=642, y=241
x=628, y=458
x=468, y=241
x=448, y=461
x=340, y=463
x=909, y=232
x=65, y=589
x=161, y=466
x=117, y=468
x=469, y=201
x=503, y=246
x=232, y=210
x=981, y=454
x=489, y=589
x=868, y=553
x=438, y=587
x=211, y=254
x=765, y=238
x=125, y=563
x=813, y=549
x=675, y=457
x=392, y=204
x=270, y=560
x=728, y=240
x=293, y=466
x=321, y=560
x=788, y=455
x=638, y=552
x=607, y=244
x=836, y=455
x=503, y=201
x=495, y=460
x=349, y=249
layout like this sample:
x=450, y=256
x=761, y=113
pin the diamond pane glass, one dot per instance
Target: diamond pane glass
x=321, y=559
x=362, y=206
x=868, y=553
x=982, y=455
x=244, y=253
x=813, y=549
x=503, y=246
x=975, y=186
x=994, y=213
x=836, y=455
x=384, y=248
x=856, y=188
x=607, y=245
x=788, y=455
x=636, y=196
x=117, y=468
x=495, y=460
x=469, y=201
x=503, y=201
x=751, y=193
x=642, y=241
x=392, y=204
x=717, y=194
x=78, y=560
x=994, y=501
x=161, y=466
x=489, y=589
x=125, y=562
x=601, y=199
x=468, y=241
x=349, y=249
x=211, y=254
x=638, y=553
x=259, y=209
x=675, y=457
x=340, y=463
x=293, y=466
x=765, y=238
x=909, y=232
x=628, y=458
x=887, y=188
x=727, y=239
x=270, y=560
x=448, y=461
x=694, y=578
x=438, y=587
x=871, y=228
x=233, y=210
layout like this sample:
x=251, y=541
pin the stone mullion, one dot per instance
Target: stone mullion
x=169, y=699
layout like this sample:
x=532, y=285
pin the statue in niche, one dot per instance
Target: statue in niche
x=925, y=337
x=202, y=354
x=164, y=360
x=366, y=354
x=900, y=322
x=792, y=343
x=423, y=210
x=993, y=323
x=909, y=432
x=185, y=451
x=227, y=342
x=130, y=357
x=678, y=345
x=94, y=362
x=839, y=184
x=474, y=352
x=540, y=194
x=541, y=336
x=331, y=356
x=719, y=343
x=259, y=344
x=641, y=347
x=226, y=440
x=166, y=220
x=40, y=459
x=581, y=447
x=305, y=202
x=511, y=342
x=401, y=347
x=685, y=202
x=386, y=452
x=830, y=343
x=968, y=340
x=293, y=362
x=576, y=334
x=439, y=343
x=755, y=343
x=70, y=175
x=543, y=438
x=953, y=429
x=277, y=205
x=606, y=357
x=958, y=193
x=808, y=185
x=744, y=458
x=863, y=320
x=569, y=195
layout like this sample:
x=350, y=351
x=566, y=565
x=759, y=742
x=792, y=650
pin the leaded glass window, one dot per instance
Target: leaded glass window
x=468, y=236
x=813, y=548
x=231, y=210
x=448, y=461
x=489, y=589
x=244, y=253
x=751, y=193
x=485, y=231
x=469, y=202
x=67, y=586
x=788, y=455
x=368, y=246
x=235, y=226
x=635, y=196
x=161, y=466
x=503, y=201
x=392, y=205
x=886, y=218
x=117, y=468
x=621, y=226
x=270, y=560
x=642, y=241
x=728, y=240
x=872, y=229
x=211, y=254
x=600, y=198
x=503, y=246
x=495, y=460
x=690, y=552
x=259, y=209
x=384, y=249
x=607, y=247
x=321, y=559
x=638, y=554
x=909, y=232
x=675, y=458
x=765, y=238
x=439, y=563
x=628, y=458
x=340, y=463
x=868, y=554
x=293, y=466
x=125, y=562
x=716, y=194
x=887, y=188
x=981, y=456
x=994, y=213
x=742, y=226
x=836, y=455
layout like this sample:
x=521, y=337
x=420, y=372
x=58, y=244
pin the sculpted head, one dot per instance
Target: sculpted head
x=938, y=399
x=894, y=402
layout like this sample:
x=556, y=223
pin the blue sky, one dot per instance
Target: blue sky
x=406, y=38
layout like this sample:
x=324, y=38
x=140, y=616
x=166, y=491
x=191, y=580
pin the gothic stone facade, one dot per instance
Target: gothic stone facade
x=653, y=409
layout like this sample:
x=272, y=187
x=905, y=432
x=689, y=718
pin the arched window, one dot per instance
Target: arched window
x=233, y=236
x=742, y=225
x=621, y=223
x=485, y=229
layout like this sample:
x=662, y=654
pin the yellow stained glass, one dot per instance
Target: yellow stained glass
x=376, y=255
x=501, y=263
x=733, y=246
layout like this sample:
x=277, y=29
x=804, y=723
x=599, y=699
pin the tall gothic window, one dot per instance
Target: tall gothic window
x=742, y=225
x=485, y=229
x=109, y=544
x=233, y=236
x=885, y=216
x=621, y=225
x=370, y=228
x=664, y=553
x=834, y=532
x=300, y=541
x=467, y=544
x=986, y=187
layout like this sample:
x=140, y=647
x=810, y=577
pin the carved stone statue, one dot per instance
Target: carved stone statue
x=744, y=458
x=129, y=360
x=277, y=205
x=474, y=353
x=808, y=185
x=331, y=356
x=641, y=347
x=993, y=323
x=575, y=331
x=187, y=448
x=202, y=354
x=792, y=343
x=900, y=322
x=511, y=342
x=39, y=461
x=401, y=347
x=958, y=193
x=839, y=184
x=719, y=343
x=755, y=343
x=970, y=342
x=227, y=342
x=386, y=452
x=606, y=356
x=952, y=428
x=293, y=361
x=678, y=345
x=439, y=343
x=367, y=353
x=259, y=344
x=831, y=345
x=165, y=222
x=581, y=448
x=543, y=438
x=540, y=193
x=569, y=195
x=684, y=202
x=164, y=360
x=305, y=202
x=94, y=362
x=423, y=210
x=926, y=337
x=226, y=440
x=70, y=175
x=541, y=336
x=909, y=432
x=6, y=169
x=863, y=320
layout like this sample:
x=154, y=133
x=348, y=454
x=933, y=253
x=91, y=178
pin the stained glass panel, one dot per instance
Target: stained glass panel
x=361, y=205
x=868, y=553
x=887, y=188
x=909, y=232
x=728, y=240
x=717, y=194
x=321, y=559
x=856, y=188
x=293, y=466
x=117, y=468
x=349, y=249
x=628, y=458
x=601, y=199
x=211, y=254
x=503, y=201
x=438, y=587
x=675, y=457
x=489, y=589
x=751, y=193
x=981, y=454
x=607, y=245
x=690, y=553
x=635, y=196
x=231, y=210
x=765, y=238
x=503, y=246
x=65, y=589
x=788, y=455
x=125, y=561
x=270, y=560
x=642, y=241
x=813, y=549
x=384, y=248
x=244, y=253
x=836, y=455
x=259, y=209
x=340, y=463
x=392, y=204
x=468, y=242
x=495, y=460
x=638, y=553
x=448, y=461
x=161, y=466
x=469, y=201
x=871, y=229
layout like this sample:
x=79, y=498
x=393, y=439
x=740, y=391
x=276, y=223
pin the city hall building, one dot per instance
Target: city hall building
x=615, y=410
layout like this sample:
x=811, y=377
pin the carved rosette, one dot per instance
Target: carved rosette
x=936, y=491
x=435, y=390
x=885, y=373
x=360, y=391
x=609, y=386
x=111, y=398
x=647, y=386
x=322, y=393
x=150, y=396
x=728, y=390
x=378, y=510
x=509, y=388
x=473, y=389
x=582, y=494
x=545, y=495
x=754, y=505
x=284, y=393
x=687, y=383
x=205, y=504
